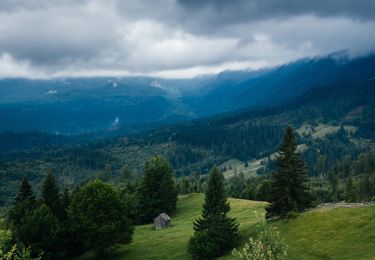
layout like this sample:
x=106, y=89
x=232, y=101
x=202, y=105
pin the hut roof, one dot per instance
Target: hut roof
x=164, y=216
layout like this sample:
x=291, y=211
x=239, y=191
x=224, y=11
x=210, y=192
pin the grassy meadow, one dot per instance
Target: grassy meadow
x=344, y=233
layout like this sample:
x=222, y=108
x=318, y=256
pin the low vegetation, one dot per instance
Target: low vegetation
x=265, y=244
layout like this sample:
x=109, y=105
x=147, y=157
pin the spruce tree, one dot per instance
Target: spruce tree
x=25, y=192
x=65, y=201
x=289, y=191
x=157, y=192
x=366, y=187
x=350, y=194
x=215, y=232
x=51, y=195
x=334, y=181
x=24, y=203
x=126, y=174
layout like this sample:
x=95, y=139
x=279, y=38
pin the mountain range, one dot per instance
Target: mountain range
x=75, y=106
x=236, y=115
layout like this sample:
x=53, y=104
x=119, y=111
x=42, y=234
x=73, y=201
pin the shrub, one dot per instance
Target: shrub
x=20, y=253
x=13, y=252
x=41, y=231
x=267, y=244
x=5, y=241
x=291, y=215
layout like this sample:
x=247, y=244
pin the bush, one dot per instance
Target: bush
x=201, y=246
x=9, y=251
x=291, y=215
x=267, y=244
x=18, y=252
x=5, y=241
x=41, y=230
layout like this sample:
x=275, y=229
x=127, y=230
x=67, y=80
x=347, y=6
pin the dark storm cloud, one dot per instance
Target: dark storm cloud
x=248, y=10
x=207, y=16
x=175, y=37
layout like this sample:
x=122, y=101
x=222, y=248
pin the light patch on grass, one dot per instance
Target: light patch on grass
x=322, y=130
x=233, y=167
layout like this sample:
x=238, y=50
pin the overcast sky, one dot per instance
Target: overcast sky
x=170, y=38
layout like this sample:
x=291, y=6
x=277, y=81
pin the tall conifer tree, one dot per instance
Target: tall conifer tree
x=24, y=203
x=215, y=232
x=289, y=190
x=350, y=193
x=51, y=195
x=65, y=202
x=25, y=192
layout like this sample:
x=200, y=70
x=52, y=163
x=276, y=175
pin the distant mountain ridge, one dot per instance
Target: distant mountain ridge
x=73, y=106
x=274, y=86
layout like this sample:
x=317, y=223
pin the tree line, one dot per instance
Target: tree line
x=95, y=217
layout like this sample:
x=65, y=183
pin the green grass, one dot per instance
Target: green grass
x=318, y=234
x=343, y=233
x=172, y=243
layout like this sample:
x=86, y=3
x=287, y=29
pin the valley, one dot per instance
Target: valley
x=187, y=129
x=334, y=132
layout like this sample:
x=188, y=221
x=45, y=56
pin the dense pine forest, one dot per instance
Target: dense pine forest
x=334, y=130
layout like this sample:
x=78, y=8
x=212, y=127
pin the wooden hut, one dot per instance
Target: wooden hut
x=162, y=221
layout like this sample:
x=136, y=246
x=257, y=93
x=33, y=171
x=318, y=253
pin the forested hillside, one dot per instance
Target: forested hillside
x=335, y=123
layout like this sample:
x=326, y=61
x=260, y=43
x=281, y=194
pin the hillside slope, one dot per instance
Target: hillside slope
x=171, y=243
x=344, y=233
x=274, y=86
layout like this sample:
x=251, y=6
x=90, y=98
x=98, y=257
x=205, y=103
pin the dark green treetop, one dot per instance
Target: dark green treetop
x=51, y=195
x=99, y=217
x=25, y=192
x=157, y=192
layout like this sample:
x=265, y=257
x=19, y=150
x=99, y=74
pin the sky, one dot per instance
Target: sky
x=175, y=38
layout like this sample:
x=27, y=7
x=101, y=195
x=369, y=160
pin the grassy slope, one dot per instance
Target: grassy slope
x=344, y=233
x=171, y=243
x=319, y=234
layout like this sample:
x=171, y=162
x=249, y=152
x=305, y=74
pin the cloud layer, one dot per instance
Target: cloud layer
x=171, y=38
